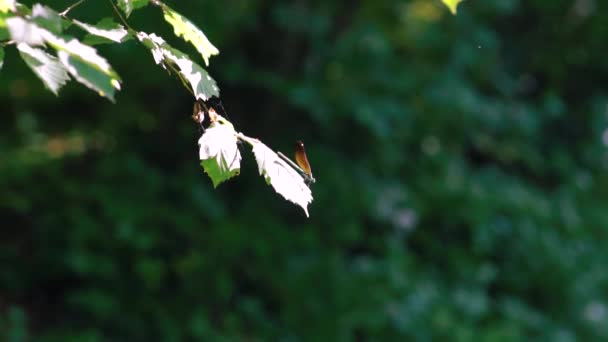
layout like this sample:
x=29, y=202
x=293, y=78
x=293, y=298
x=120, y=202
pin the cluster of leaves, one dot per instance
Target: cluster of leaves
x=35, y=31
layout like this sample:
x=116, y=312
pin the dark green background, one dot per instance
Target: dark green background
x=461, y=192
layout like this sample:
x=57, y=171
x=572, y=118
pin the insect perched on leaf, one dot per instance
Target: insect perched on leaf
x=302, y=166
x=302, y=160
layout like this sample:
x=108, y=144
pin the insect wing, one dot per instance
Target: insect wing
x=301, y=158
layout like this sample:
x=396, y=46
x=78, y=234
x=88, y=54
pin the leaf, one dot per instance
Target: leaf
x=284, y=179
x=24, y=31
x=128, y=6
x=46, y=18
x=7, y=5
x=1, y=57
x=3, y=29
x=452, y=5
x=87, y=74
x=219, y=153
x=52, y=73
x=202, y=85
x=80, y=60
x=190, y=33
x=105, y=31
x=86, y=66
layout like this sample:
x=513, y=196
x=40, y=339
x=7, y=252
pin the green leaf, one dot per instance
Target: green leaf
x=128, y=6
x=284, y=179
x=1, y=57
x=452, y=5
x=46, y=18
x=3, y=29
x=190, y=33
x=219, y=153
x=86, y=66
x=52, y=73
x=105, y=31
x=202, y=85
x=7, y=5
x=89, y=75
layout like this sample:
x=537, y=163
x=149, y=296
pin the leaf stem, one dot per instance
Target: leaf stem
x=123, y=20
x=181, y=78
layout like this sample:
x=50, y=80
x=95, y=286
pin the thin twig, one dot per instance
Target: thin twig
x=307, y=178
x=294, y=165
x=65, y=12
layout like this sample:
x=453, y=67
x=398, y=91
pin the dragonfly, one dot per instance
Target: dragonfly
x=302, y=166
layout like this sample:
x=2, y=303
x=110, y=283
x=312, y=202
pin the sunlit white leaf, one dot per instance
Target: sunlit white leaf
x=219, y=153
x=202, y=85
x=52, y=73
x=106, y=29
x=284, y=179
x=190, y=33
x=24, y=31
x=1, y=57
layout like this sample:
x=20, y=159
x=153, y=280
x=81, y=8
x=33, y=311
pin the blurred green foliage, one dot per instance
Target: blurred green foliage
x=461, y=190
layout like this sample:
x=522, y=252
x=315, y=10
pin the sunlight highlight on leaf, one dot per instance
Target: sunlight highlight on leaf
x=1, y=57
x=284, y=179
x=219, y=153
x=52, y=73
x=105, y=31
x=7, y=5
x=190, y=33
